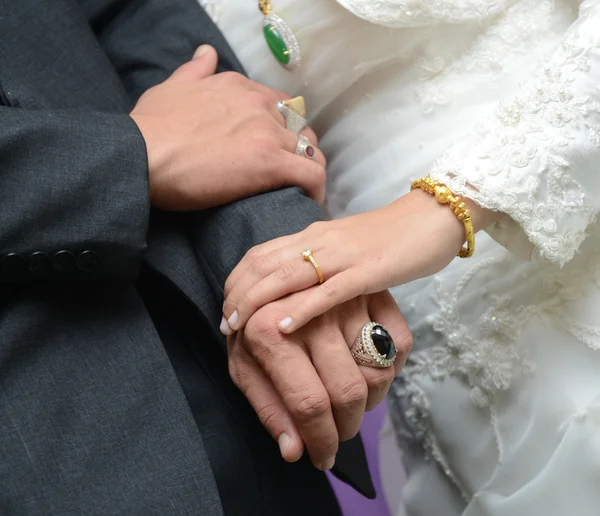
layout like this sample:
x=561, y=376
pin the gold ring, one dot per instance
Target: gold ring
x=294, y=114
x=297, y=105
x=308, y=257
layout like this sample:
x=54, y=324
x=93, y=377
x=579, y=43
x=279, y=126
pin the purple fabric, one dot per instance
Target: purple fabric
x=354, y=504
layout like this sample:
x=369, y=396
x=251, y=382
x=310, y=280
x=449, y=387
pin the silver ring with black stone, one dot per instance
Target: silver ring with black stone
x=374, y=347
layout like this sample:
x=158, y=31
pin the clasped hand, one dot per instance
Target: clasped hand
x=316, y=388
x=305, y=387
x=289, y=338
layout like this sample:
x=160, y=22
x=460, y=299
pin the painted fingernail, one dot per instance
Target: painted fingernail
x=328, y=464
x=284, y=444
x=225, y=329
x=233, y=320
x=285, y=324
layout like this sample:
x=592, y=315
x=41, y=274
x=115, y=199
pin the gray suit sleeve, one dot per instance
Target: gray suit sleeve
x=222, y=236
x=74, y=201
x=146, y=40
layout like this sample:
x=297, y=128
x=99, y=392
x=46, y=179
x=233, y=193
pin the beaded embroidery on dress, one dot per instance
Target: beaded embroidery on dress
x=407, y=13
x=527, y=148
x=498, y=410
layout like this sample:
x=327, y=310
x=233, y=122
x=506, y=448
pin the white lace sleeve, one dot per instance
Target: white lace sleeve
x=537, y=158
x=414, y=13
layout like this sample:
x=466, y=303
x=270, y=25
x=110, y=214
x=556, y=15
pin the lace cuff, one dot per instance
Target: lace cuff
x=416, y=13
x=537, y=157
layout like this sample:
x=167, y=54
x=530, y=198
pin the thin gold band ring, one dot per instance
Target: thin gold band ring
x=308, y=257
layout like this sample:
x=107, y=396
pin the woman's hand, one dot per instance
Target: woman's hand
x=409, y=239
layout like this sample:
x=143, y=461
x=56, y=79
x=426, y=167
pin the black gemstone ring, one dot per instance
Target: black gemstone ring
x=374, y=347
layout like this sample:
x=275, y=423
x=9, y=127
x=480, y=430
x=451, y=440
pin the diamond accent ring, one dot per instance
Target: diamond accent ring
x=308, y=257
x=374, y=347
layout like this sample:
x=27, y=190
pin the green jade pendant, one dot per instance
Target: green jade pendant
x=277, y=44
x=281, y=40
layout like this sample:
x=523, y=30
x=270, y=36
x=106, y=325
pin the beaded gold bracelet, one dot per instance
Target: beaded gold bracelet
x=444, y=195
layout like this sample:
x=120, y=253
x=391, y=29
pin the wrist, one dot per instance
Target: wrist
x=482, y=217
x=441, y=223
x=157, y=159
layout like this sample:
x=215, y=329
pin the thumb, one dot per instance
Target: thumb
x=202, y=65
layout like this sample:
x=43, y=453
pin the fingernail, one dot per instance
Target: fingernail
x=285, y=324
x=284, y=444
x=233, y=320
x=225, y=329
x=328, y=464
x=200, y=51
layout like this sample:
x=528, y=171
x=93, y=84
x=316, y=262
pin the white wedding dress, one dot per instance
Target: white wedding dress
x=498, y=410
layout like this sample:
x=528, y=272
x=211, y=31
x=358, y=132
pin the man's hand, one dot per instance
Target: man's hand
x=305, y=387
x=213, y=139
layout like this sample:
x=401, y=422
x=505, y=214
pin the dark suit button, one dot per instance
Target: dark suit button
x=87, y=261
x=12, y=263
x=63, y=261
x=38, y=262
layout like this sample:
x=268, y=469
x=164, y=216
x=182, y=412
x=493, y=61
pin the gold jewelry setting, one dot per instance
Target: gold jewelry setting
x=374, y=347
x=444, y=195
x=297, y=105
x=308, y=257
x=291, y=109
x=280, y=38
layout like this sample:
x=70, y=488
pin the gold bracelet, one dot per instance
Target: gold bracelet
x=444, y=195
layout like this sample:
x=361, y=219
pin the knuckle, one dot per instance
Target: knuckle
x=381, y=381
x=233, y=78
x=330, y=288
x=265, y=148
x=260, y=265
x=311, y=406
x=248, y=301
x=287, y=272
x=264, y=143
x=253, y=252
x=316, y=228
x=353, y=393
x=263, y=333
x=404, y=342
x=255, y=99
x=325, y=447
x=317, y=174
x=236, y=375
x=268, y=414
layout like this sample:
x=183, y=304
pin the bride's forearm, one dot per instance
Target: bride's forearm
x=443, y=225
x=413, y=237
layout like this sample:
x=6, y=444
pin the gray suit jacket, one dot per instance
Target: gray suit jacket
x=78, y=352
